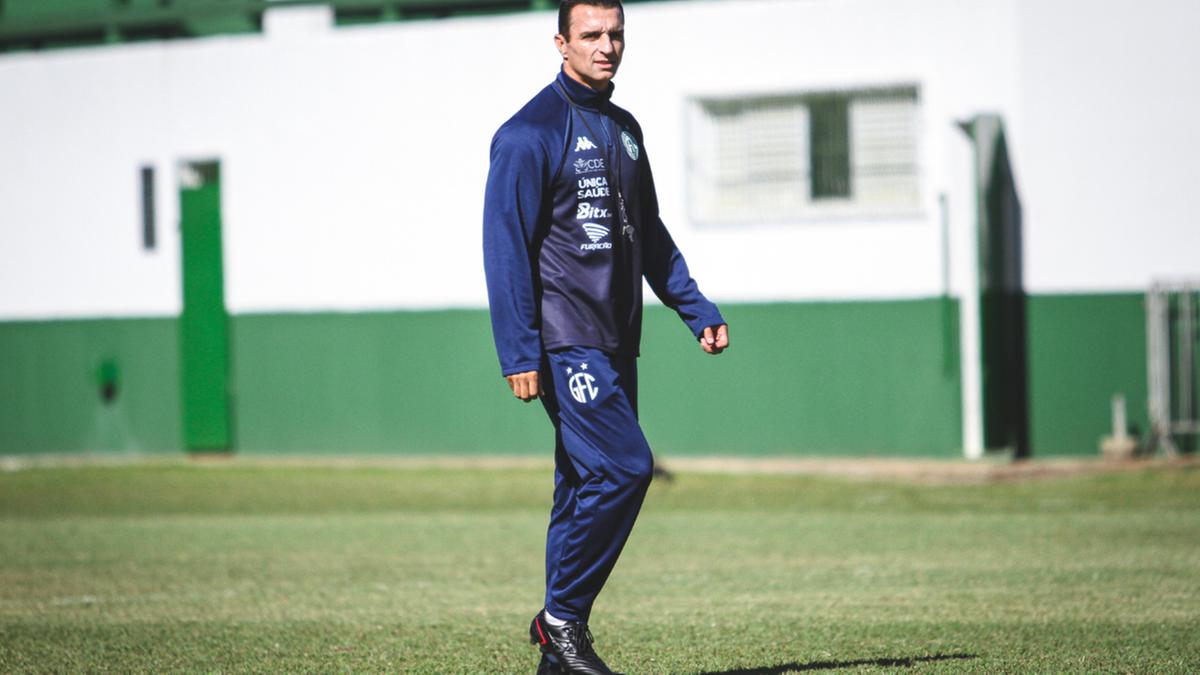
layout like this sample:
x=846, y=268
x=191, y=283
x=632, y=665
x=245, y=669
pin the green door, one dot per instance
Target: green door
x=204, y=327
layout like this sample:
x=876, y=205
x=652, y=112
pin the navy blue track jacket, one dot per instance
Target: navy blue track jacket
x=562, y=267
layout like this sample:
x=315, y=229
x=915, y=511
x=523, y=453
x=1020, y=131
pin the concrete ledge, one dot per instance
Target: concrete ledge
x=931, y=471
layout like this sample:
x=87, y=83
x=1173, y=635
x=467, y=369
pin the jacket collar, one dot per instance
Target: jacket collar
x=583, y=95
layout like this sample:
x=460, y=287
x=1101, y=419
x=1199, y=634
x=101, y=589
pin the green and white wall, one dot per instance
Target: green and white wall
x=352, y=164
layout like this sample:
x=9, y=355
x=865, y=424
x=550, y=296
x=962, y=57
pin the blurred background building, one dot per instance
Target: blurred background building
x=254, y=226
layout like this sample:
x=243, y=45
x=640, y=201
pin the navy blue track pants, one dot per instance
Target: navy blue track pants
x=603, y=466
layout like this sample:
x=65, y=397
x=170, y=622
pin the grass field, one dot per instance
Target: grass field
x=283, y=568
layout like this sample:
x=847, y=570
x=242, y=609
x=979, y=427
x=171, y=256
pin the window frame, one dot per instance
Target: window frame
x=816, y=210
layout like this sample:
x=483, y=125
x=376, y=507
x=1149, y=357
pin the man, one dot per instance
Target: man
x=570, y=228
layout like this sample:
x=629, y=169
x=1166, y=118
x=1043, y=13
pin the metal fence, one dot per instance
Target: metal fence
x=1171, y=350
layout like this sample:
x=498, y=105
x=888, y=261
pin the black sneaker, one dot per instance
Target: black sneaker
x=548, y=667
x=570, y=644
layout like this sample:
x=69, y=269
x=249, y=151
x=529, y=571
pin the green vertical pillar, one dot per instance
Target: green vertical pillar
x=204, y=326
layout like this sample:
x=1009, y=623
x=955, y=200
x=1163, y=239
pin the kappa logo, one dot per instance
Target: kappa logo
x=584, y=143
x=584, y=166
x=582, y=385
x=588, y=212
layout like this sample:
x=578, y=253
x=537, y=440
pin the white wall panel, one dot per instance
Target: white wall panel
x=1107, y=154
x=74, y=129
x=354, y=159
x=787, y=47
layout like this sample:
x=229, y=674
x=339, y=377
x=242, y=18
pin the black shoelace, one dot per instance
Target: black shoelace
x=580, y=637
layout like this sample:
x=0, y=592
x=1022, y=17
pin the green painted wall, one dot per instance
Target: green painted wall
x=845, y=378
x=50, y=399
x=403, y=382
x=1084, y=349
x=835, y=378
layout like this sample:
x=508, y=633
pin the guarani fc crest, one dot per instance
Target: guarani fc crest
x=631, y=146
x=582, y=384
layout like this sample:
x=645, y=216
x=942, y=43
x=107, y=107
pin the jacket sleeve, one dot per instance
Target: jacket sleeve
x=512, y=201
x=666, y=270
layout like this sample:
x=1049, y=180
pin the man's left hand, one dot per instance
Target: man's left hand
x=715, y=339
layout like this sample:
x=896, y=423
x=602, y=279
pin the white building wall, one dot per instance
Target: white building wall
x=354, y=159
x=783, y=47
x=74, y=129
x=1107, y=150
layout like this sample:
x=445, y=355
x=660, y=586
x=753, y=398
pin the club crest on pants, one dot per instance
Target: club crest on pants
x=582, y=385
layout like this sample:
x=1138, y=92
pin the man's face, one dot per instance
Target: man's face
x=593, y=52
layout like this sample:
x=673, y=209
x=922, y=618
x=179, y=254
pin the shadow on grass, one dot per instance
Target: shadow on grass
x=831, y=665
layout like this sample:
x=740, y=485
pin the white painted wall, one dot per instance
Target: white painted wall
x=354, y=159
x=771, y=47
x=74, y=129
x=1108, y=145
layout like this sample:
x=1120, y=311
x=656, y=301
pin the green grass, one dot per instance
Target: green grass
x=252, y=568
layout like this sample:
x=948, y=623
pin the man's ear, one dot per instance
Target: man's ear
x=560, y=44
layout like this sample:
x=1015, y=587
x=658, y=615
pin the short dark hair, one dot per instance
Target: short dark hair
x=565, y=7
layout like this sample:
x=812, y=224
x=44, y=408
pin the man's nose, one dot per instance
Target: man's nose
x=606, y=43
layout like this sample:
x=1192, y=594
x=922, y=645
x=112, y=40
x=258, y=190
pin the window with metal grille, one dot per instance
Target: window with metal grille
x=804, y=155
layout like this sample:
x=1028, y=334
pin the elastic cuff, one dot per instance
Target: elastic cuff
x=699, y=330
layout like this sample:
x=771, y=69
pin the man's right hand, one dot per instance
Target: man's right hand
x=525, y=385
x=715, y=342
